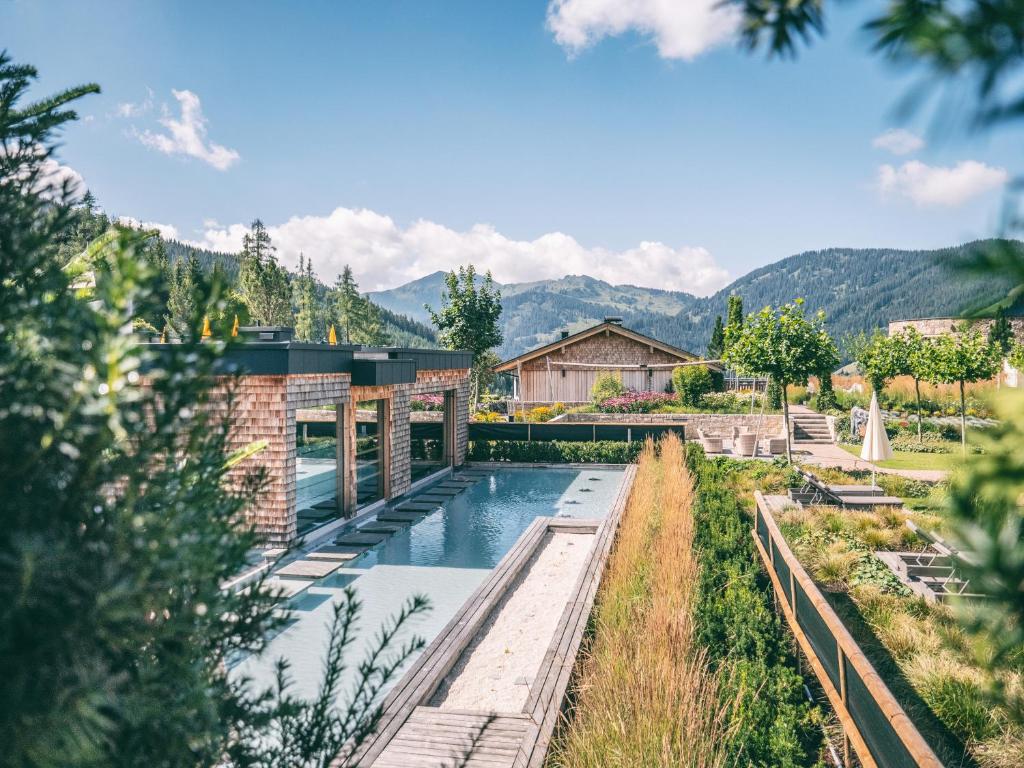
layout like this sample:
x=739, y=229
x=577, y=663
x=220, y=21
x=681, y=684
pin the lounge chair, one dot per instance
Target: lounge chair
x=815, y=491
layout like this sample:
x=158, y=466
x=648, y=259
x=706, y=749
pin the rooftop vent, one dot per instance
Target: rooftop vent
x=614, y=319
x=565, y=334
x=266, y=333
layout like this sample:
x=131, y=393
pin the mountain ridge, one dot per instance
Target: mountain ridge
x=859, y=289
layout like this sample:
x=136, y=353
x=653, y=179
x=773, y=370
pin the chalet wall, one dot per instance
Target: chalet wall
x=545, y=380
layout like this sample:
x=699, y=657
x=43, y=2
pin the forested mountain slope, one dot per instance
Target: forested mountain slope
x=859, y=288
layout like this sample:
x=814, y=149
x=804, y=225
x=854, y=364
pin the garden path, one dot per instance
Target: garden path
x=829, y=455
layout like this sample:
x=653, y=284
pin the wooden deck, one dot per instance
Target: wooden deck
x=413, y=735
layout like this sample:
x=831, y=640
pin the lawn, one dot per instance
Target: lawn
x=910, y=460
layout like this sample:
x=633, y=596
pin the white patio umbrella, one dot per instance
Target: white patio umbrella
x=876, y=441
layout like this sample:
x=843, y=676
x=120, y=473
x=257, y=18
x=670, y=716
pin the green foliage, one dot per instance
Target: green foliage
x=987, y=501
x=879, y=357
x=1000, y=333
x=734, y=315
x=120, y=523
x=773, y=395
x=782, y=343
x=826, y=399
x=358, y=318
x=606, y=384
x=263, y=283
x=772, y=723
x=716, y=346
x=555, y=451
x=691, y=383
x=1017, y=356
x=184, y=297
x=468, y=318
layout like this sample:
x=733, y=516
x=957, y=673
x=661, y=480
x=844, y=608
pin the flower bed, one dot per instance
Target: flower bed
x=632, y=401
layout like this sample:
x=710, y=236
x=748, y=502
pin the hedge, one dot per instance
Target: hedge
x=772, y=722
x=555, y=451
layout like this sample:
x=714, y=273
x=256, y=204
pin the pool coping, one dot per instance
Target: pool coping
x=414, y=690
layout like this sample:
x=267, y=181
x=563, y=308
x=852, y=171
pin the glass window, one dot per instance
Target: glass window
x=316, y=467
x=427, y=433
x=369, y=455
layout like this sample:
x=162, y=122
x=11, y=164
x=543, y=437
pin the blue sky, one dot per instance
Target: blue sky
x=535, y=138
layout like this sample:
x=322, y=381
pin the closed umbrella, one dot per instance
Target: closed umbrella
x=876, y=441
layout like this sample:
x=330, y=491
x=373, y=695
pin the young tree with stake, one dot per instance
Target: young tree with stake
x=958, y=359
x=784, y=344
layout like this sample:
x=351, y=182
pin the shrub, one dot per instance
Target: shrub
x=427, y=403
x=774, y=395
x=691, y=383
x=632, y=401
x=555, y=451
x=607, y=384
x=771, y=722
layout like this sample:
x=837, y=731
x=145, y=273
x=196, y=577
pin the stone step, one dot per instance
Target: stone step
x=307, y=569
x=338, y=554
x=419, y=506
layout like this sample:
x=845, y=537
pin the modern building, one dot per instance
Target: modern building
x=936, y=326
x=565, y=370
x=354, y=446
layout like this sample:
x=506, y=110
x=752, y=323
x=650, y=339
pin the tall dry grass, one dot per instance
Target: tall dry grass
x=645, y=695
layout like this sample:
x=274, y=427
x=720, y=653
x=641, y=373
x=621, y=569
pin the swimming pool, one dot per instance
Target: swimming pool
x=445, y=557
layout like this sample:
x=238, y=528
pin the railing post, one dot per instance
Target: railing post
x=843, y=696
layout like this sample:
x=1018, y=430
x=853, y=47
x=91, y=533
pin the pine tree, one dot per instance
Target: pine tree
x=305, y=301
x=263, y=283
x=1000, y=334
x=347, y=305
x=119, y=521
x=734, y=313
x=183, y=296
x=717, y=344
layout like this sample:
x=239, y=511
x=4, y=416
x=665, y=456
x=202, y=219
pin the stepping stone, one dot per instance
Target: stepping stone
x=436, y=499
x=418, y=506
x=307, y=569
x=458, y=483
x=385, y=528
x=339, y=554
x=314, y=514
x=273, y=553
x=446, y=490
x=331, y=504
x=288, y=587
x=364, y=539
x=400, y=516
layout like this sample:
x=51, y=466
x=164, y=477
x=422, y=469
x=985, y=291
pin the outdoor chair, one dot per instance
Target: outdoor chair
x=774, y=446
x=710, y=443
x=745, y=444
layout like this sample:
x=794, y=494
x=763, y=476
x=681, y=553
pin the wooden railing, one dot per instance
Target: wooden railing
x=874, y=723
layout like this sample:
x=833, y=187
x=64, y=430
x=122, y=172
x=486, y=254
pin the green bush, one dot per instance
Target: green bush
x=691, y=383
x=607, y=384
x=772, y=723
x=774, y=395
x=555, y=451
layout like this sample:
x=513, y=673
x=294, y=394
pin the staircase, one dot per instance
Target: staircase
x=810, y=427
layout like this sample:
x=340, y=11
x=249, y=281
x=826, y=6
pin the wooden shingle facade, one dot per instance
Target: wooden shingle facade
x=564, y=371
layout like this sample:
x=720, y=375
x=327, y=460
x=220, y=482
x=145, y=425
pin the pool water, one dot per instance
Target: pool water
x=444, y=557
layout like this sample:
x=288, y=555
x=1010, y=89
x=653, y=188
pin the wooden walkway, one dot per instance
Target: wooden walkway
x=413, y=735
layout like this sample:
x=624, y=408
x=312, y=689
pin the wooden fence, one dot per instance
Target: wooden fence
x=878, y=728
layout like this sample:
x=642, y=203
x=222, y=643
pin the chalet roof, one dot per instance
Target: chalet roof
x=682, y=354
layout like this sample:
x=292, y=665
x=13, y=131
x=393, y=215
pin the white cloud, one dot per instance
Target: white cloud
x=928, y=185
x=384, y=255
x=167, y=231
x=898, y=141
x=187, y=135
x=53, y=177
x=680, y=29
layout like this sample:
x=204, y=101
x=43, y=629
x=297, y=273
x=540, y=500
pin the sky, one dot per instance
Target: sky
x=632, y=140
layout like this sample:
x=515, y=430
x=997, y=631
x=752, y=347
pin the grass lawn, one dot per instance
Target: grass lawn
x=908, y=460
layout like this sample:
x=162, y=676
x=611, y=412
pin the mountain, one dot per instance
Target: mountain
x=859, y=289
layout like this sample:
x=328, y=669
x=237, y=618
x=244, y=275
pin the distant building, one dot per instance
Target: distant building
x=936, y=326
x=565, y=370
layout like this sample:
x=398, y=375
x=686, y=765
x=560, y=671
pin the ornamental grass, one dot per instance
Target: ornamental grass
x=645, y=693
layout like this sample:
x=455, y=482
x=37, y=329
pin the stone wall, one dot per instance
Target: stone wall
x=714, y=423
x=936, y=326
